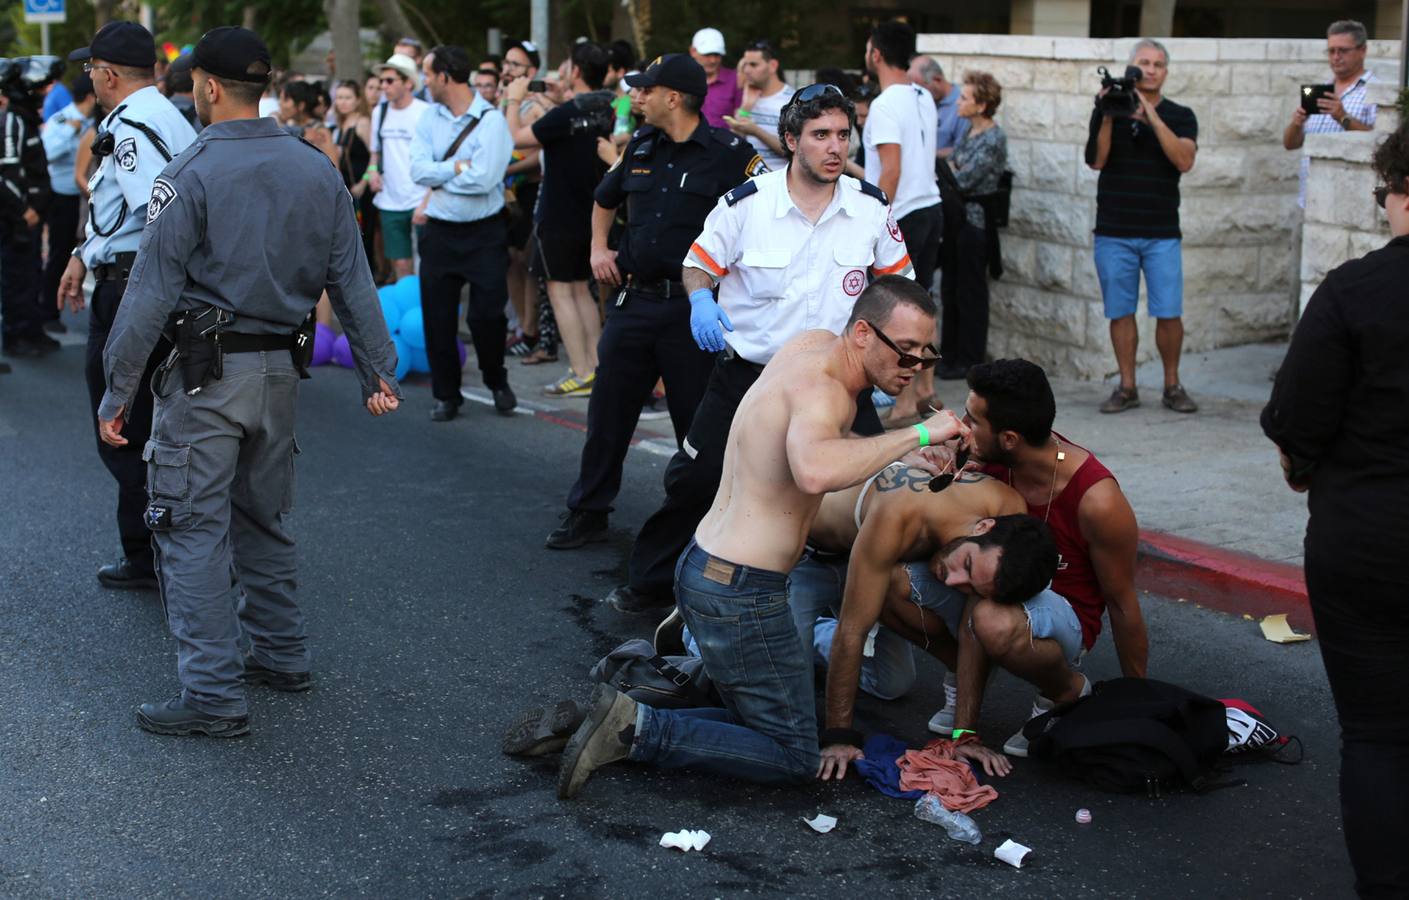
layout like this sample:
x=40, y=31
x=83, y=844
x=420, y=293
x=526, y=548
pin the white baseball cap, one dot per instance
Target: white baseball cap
x=400, y=62
x=707, y=41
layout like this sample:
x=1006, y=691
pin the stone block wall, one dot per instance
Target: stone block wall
x=1239, y=212
x=1342, y=221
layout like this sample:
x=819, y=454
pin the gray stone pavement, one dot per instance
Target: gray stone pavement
x=1210, y=477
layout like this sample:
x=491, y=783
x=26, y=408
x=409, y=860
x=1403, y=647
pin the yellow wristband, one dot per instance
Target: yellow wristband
x=924, y=434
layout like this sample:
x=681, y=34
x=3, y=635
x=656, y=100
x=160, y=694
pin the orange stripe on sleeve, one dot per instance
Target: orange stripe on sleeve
x=708, y=262
x=891, y=270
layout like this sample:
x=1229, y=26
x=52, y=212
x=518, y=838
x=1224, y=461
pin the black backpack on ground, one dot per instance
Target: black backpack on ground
x=1135, y=735
x=665, y=682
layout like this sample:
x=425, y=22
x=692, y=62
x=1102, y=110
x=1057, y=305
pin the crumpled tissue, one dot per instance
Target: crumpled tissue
x=822, y=824
x=685, y=840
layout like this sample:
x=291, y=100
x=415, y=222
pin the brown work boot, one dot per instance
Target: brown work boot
x=1177, y=399
x=604, y=738
x=1121, y=399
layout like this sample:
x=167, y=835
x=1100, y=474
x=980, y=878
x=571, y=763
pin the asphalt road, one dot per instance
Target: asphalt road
x=435, y=615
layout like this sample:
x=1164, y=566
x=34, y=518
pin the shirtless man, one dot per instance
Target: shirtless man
x=788, y=445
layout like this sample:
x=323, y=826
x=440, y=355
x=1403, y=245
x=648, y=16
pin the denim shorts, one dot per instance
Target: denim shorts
x=1049, y=614
x=1119, y=262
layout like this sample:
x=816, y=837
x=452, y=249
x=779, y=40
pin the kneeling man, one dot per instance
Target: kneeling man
x=789, y=444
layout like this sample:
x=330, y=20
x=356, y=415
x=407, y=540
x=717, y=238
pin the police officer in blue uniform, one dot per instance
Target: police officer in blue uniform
x=244, y=231
x=134, y=142
x=671, y=174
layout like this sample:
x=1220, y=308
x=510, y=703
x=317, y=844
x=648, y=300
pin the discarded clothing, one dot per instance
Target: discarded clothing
x=880, y=768
x=934, y=769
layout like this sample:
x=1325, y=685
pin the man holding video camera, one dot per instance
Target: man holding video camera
x=1141, y=143
x=1336, y=107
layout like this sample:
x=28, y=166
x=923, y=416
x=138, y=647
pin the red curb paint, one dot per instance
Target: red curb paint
x=1234, y=583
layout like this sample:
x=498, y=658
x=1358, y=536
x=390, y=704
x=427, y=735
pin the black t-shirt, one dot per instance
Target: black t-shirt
x=571, y=166
x=668, y=190
x=1137, y=194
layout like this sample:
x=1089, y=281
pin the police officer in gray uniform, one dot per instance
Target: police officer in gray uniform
x=244, y=231
x=134, y=142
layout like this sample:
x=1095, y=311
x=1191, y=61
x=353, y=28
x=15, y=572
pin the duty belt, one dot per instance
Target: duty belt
x=661, y=287
x=117, y=270
x=730, y=355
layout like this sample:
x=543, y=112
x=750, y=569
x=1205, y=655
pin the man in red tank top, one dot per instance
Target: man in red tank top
x=1010, y=408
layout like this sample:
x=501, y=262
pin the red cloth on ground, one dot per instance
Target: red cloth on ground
x=935, y=769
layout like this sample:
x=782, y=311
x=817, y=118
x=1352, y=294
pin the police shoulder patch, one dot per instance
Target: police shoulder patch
x=756, y=166
x=744, y=190
x=163, y=192
x=125, y=154
x=870, y=190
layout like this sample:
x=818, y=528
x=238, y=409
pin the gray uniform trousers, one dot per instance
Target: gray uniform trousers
x=222, y=462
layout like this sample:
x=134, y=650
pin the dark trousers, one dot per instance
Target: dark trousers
x=19, y=285
x=1362, y=626
x=645, y=338
x=963, y=339
x=125, y=463
x=454, y=254
x=692, y=477
x=922, y=230
x=63, y=237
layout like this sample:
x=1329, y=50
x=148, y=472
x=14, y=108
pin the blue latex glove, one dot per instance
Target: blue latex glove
x=705, y=319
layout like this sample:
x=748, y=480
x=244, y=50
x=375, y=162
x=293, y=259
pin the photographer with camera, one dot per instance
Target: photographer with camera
x=563, y=216
x=1344, y=107
x=24, y=198
x=1141, y=143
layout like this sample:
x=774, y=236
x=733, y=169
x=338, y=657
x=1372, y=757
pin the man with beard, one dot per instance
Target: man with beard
x=788, y=251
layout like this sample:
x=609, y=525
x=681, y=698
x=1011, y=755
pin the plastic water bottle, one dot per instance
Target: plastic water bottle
x=960, y=827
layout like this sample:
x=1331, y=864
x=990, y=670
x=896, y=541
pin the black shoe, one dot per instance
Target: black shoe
x=290, y=682
x=22, y=349
x=175, y=717
x=55, y=326
x=628, y=600
x=504, y=400
x=444, y=410
x=669, y=638
x=580, y=526
x=45, y=343
x=543, y=730
x=124, y=576
x=5, y=368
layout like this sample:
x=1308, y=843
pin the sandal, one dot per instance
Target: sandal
x=538, y=356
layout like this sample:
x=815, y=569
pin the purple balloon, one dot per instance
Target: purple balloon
x=460, y=346
x=342, y=352
x=323, y=339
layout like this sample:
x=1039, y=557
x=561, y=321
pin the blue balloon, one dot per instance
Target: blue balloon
x=391, y=308
x=419, y=362
x=403, y=358
x=408, y=293
x=411, y=330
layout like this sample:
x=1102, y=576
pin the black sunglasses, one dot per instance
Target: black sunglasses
x=940, y=482
x=1382, y=194
x=813, y=91
x=760, y=45
x=907, y=360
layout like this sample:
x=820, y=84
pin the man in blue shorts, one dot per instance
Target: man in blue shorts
x=1140, y=158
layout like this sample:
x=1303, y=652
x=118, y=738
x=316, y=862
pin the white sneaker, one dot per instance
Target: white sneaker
x=942, y=722
x=1017, y=744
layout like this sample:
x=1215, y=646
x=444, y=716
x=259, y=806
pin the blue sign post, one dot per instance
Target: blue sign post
x=44, y=12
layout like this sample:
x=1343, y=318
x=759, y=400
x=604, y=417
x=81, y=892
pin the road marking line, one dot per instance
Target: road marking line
x=653, y=446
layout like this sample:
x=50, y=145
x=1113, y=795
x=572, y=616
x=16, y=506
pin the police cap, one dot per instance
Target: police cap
x=120, y=43
x=676, y=71
x=232, y=53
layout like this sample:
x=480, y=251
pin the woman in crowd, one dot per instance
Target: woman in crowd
x=353, y=136
x=372, y=90
x=978, y=162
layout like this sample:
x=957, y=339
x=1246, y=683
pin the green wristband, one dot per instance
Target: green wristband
x=924, y=434
x=960, y=732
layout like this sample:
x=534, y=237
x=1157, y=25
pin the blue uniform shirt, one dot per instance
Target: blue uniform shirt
x=478, y=191
x=952, y=126
x=57, y=98
x=121, y=187
x=61, y=146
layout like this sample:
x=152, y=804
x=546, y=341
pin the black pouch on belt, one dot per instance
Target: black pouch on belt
x=197, y=340
x=302, y=349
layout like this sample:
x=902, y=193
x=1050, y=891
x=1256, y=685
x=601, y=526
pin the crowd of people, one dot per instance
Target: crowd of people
x=785, y=269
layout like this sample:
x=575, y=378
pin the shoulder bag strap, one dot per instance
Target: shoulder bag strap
x=460, y=138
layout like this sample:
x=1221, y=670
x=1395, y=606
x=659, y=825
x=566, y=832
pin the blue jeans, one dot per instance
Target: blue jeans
x=817, y=585
x=1049, y=614
x=1118, y=264
x=767, y=731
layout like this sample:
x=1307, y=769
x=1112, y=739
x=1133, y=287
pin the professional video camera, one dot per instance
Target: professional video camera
x=1119, y=99
x=23, y=80
x=595, y=114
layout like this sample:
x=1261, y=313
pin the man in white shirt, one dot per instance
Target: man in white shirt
x=393, y=126
x=899, y=143
x=789, y=251
x=765, y=95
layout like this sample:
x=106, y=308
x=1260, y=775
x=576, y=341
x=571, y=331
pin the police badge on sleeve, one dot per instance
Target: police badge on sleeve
x=162, y=194
x=126, y=155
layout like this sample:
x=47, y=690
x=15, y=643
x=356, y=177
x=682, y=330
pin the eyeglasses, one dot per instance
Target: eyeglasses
x=1343, y=51
x=907, y=360
x=392, y=80
x=1382, y=194
x=945, y=479
x=89, y=68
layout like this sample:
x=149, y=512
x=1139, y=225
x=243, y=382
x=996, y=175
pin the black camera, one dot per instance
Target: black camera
x=23, y=79
x=1119, y=100
x=537, y=87
x=595, y=115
